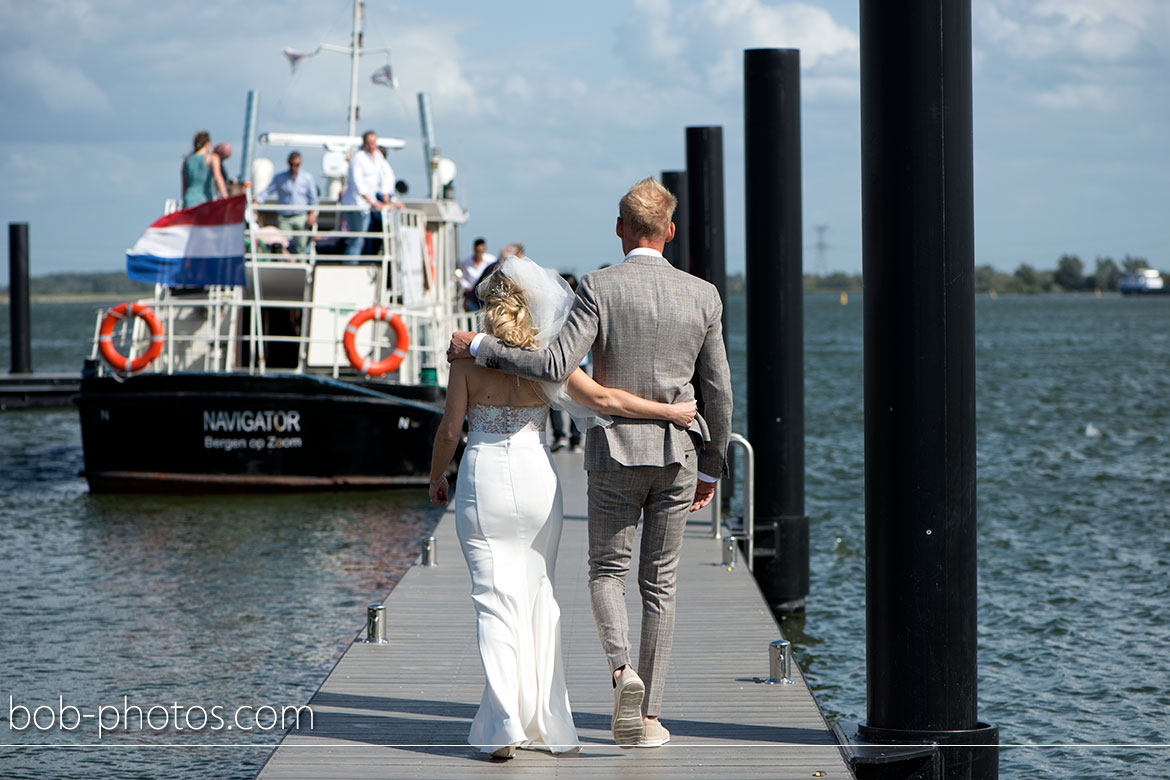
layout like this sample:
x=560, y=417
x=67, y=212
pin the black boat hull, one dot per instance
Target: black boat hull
x=237, y=432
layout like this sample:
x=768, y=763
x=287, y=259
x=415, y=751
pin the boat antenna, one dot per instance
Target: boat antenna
x=355, y=51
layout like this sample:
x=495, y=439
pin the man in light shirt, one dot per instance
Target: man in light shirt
x=369, y=175
x=293, y=187
x=472, y=271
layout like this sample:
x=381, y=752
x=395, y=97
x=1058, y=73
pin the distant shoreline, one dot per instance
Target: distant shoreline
x=79, y=297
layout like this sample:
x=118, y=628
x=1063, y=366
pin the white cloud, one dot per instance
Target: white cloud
x=45, y=170
x=1076, y=97
x=747, y=24
x=518, y=86
x=660, y=43
x=702, y=44
x=430, y=60
x=63, y=89
x=840, y=88
x=1085, y=31
x=1072, y=54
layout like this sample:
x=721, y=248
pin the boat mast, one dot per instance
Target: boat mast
x=355, y=54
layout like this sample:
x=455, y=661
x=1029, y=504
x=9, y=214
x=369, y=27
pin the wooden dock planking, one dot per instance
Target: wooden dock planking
x=403, y=710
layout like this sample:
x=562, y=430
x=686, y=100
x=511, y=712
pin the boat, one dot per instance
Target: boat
x=310, y=370
x=1146, y=281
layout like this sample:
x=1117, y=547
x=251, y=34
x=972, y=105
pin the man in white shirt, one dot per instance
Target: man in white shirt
x=369, y=175
x=471, y=271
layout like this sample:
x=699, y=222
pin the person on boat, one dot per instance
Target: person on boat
x=223, y=150
x=202, y=173
x=471, y=271
x=294, y=187
x=369, y=175
x=508, y=509
x=518, y=250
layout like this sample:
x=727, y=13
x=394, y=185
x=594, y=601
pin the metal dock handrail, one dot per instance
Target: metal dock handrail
x=749, y=505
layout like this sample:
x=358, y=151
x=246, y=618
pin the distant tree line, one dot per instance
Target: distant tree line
x=835, y=282
x=1068, y=276
x=81, y=284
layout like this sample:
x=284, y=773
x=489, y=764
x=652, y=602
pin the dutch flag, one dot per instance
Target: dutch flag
x=199, y=246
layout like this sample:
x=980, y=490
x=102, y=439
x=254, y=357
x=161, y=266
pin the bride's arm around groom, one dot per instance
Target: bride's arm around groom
x=651, y=328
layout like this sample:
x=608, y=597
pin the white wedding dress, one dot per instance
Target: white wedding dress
x=508, y=515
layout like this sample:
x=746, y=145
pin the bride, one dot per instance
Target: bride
x=508, y=510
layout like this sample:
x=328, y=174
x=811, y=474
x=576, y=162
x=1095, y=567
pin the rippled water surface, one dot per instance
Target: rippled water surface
x=249, y=600
x=230, y=601
x=1073, y=453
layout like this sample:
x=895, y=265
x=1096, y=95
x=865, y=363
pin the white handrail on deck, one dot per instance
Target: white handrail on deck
x=220, y=345
x=431, y=308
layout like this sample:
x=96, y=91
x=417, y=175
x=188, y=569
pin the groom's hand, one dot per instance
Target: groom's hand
x=704, y=492
x=460, y=346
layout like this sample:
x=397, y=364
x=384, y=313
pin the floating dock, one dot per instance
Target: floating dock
x=403, y=709
x=38, y=391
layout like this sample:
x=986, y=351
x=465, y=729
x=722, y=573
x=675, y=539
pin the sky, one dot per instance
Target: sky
x=552, y=110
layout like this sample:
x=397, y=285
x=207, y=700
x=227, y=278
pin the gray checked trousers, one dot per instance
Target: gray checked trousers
x=663, y=496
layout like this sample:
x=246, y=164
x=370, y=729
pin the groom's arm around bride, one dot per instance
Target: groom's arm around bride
x=651, y=328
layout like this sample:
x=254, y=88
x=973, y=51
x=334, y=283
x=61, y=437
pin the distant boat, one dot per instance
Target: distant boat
x=1147, y=281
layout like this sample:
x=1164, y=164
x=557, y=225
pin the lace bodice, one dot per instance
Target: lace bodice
x=506, y=419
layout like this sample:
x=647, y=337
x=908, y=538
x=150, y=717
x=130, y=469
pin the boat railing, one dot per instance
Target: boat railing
x=299, y=304
x=204, y=335
x=262, y=237
x=415, y=252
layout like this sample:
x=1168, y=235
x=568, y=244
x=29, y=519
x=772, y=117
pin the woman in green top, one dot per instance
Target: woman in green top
x=202, y=175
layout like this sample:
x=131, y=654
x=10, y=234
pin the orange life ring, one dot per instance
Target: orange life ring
x=387, y=364
x=106, y=337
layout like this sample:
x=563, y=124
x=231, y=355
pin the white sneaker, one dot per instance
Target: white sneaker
x=654, y=734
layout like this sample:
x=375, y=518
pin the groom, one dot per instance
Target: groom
x=651, y=328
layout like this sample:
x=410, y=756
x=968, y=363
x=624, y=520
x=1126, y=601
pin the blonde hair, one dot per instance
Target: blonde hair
x=646, y=209
x=505, y=313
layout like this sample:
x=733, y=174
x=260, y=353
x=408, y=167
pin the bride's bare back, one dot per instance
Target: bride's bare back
x=495, y=388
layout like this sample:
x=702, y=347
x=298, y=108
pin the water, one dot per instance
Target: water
x=1073, y=458
x=250, y=600
x=205, y=601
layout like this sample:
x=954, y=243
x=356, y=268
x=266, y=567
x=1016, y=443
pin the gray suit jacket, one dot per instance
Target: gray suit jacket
x=650, y=327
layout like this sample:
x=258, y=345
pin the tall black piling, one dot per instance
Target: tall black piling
x=705, y=233
x=775, y=329
x=918, y=262
x=678, y=251
x=18, y=311
x=705, y=202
